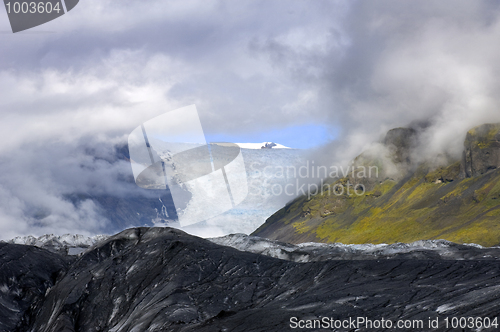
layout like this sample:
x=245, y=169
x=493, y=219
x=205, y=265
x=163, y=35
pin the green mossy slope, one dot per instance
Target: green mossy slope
x=417, y=207
x=425, y=204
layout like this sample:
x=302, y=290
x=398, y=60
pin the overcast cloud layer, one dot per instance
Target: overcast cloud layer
x=87, y=79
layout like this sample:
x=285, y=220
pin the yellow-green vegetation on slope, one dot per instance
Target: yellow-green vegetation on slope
x=482, y=136
x=417, y=207
x=409, y=201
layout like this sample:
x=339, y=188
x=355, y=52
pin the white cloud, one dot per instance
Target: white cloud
x=363, y=66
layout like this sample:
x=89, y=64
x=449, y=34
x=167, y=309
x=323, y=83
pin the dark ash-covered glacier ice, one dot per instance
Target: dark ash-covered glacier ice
x=162, y=279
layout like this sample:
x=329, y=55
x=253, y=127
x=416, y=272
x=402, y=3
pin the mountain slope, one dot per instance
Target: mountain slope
x=459, y=201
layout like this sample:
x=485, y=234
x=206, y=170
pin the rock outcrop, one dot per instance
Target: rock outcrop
x=268, y=145
x=482, y=150
x=400, y=142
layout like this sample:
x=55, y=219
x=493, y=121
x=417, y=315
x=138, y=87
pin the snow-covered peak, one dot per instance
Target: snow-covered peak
x=263, y=145
x=68, y=243
x=64, y=240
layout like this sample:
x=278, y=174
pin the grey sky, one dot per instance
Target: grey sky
x=362, y=67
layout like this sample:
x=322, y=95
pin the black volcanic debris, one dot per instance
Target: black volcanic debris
x=162, y=279
x=26, y=273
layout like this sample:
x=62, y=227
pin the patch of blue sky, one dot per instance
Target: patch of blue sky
x=297, y=137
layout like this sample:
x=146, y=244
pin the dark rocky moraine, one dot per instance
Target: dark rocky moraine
x=162, y=279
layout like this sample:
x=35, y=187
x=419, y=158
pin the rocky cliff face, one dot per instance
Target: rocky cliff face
x=400, y=142
x=392, y=159
x=161, y=279
x=459, y=201
x=482, y=150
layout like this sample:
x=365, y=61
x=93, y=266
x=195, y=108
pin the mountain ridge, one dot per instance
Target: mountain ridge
x=459, y=200
x=66, y=244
